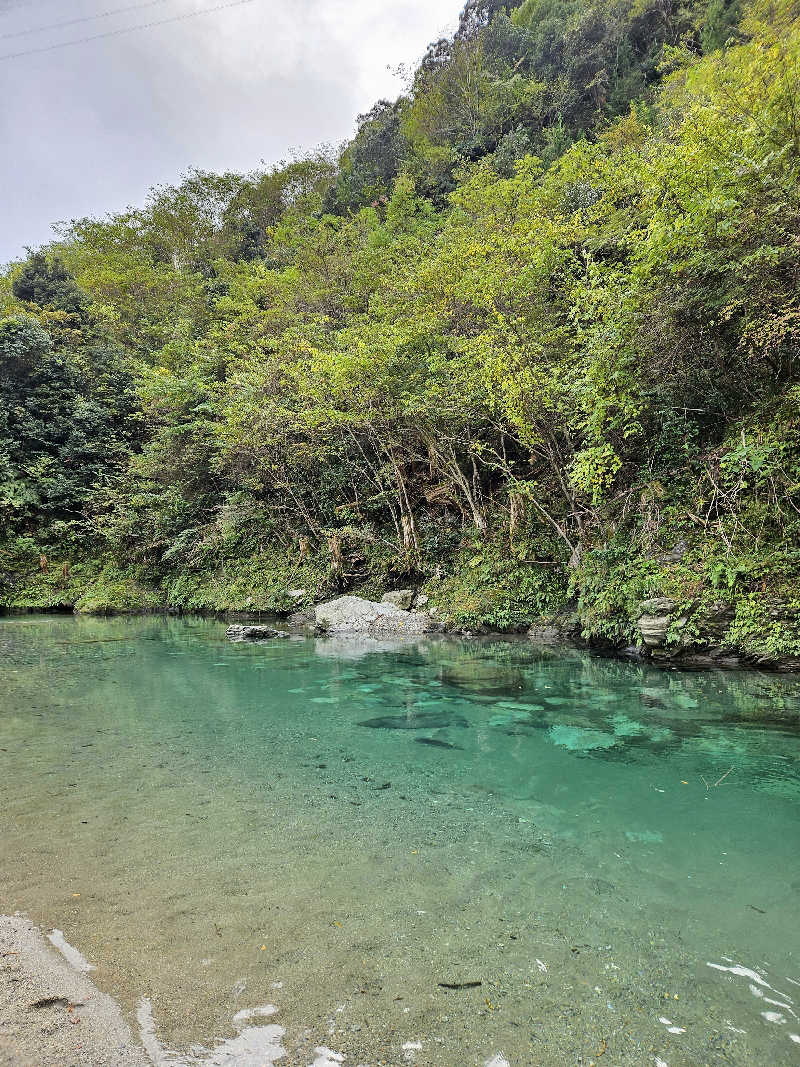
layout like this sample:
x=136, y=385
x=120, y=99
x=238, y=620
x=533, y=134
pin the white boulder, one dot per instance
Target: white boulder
x=403, y=598
x=352, y=614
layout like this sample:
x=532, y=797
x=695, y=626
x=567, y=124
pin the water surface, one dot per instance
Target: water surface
x=342, y=830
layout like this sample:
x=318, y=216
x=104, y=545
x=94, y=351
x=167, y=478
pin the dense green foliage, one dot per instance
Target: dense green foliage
x=533, y=329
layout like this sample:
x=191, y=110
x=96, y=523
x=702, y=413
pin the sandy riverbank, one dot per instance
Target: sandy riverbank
x=51, y=1013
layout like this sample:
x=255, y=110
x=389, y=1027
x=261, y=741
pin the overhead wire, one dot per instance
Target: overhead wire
x=83, y=18
x=4, y=9
x=125, y=29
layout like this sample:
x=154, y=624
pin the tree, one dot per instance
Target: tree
x=48, y=283
x=372, y=160
x=63, y=427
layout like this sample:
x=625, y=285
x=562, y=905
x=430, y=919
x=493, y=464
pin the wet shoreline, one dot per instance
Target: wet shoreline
x=662, y=659
x=50, y=1011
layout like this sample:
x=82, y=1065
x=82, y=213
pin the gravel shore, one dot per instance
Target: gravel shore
x=50, y=1013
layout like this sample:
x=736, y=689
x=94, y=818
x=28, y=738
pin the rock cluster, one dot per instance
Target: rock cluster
x=401, y=598
x=253, y=633
x=556, y=629
x=352, y=614
x=656, y=618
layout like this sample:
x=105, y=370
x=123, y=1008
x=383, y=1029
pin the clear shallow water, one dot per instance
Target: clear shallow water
x=222, y=827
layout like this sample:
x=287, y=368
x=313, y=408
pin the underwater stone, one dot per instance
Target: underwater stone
x=645, y=837
x=501, y=720
x=578, y=740
x=625, y=727
x=519, y=705
x=484, y=675
x=426, y=720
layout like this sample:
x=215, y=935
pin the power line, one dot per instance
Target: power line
x=18, y=5
x=126, y=29
x=83, y=18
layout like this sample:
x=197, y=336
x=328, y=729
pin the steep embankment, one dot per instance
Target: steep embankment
x=528, y=344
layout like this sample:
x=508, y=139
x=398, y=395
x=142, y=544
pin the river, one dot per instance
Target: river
x=436, y=852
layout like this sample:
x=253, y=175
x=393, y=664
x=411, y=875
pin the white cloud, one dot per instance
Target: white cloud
x=89, y=128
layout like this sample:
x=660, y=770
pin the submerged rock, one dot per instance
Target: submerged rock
x=253, y=633
x=435, y=742
x=579, y=740
x=484, y=675
x=352, y=647
x=645, y=837
x=423, y=720
x=512, y=718
x=352, y=614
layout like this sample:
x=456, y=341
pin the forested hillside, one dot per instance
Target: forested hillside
x=529, y=342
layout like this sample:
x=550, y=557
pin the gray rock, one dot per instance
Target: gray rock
x=658, y=605
x=296, y=594
x=354, y=647
x=714, y=621
x=403, y=598
x=653, y=629
x=711, y=623
x=657, y=616
x=352, y=614
x=253, y=633
x=676, y=553
x=544, y=633
x=555, y=629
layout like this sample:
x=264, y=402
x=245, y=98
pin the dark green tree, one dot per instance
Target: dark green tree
x=372, y=160
x=48, y=283
x=64, y=426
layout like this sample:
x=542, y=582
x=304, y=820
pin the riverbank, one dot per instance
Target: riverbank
x=50, y=1011
x=550, y=632
x=693, y=627
x=53, y=1015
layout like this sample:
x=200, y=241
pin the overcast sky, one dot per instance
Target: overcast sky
x=87, y=129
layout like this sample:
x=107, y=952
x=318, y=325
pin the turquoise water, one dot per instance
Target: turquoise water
x=341, y=829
